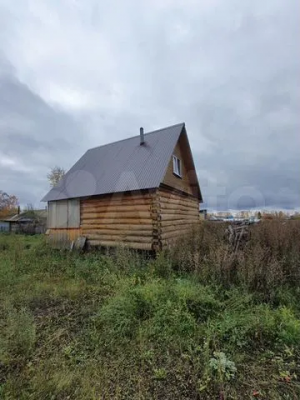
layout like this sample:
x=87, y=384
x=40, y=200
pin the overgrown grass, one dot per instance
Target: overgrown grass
x=271, y=259
x=194, y=323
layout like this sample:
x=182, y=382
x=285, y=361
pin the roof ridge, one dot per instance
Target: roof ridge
x=132, y=137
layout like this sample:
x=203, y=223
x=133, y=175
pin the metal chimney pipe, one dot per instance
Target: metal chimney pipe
x=142, y=136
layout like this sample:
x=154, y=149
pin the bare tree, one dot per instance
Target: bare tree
x=55, y=175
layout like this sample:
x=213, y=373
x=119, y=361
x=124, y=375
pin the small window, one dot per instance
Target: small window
x=176, y=166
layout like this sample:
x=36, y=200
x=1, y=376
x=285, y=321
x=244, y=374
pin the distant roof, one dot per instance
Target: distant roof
x=6, y=217
x=26, y=215
x=121, y=166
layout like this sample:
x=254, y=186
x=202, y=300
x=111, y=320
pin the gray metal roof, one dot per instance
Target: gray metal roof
x=121, y=166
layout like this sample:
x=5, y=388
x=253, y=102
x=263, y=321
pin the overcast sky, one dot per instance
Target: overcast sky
x=76, y=74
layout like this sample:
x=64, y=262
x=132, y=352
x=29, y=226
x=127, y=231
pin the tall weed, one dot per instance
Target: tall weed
x=271, y=258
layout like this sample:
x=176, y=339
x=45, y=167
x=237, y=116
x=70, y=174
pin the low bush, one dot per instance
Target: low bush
x=158, y=310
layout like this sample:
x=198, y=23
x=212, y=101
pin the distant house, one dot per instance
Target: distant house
x=142, y=191
x=4, y=226
x=4, y=222
x=31, y=221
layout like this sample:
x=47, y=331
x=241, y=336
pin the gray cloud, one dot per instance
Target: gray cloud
x=33, y=137
x=76, y=75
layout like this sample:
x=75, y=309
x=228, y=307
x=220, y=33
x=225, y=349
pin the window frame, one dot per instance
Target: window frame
x=177, y=168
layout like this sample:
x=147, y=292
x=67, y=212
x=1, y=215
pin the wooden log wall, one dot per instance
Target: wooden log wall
x=62, y=237
x=148, y=221
x=119, y=218
x=178, y=213
x=156, y=221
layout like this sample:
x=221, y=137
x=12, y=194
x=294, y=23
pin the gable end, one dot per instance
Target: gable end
x=181, y=173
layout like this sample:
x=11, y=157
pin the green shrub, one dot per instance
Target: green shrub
x=159, y=310
x=160, y=374
x=256, y=326
x=170, y=322
x=199, y=300
x=119, y=318
x=285, y=296
x=162, y=266
x=221, y=367
x=287, y=327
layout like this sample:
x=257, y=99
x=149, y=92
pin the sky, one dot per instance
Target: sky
x=77, y=74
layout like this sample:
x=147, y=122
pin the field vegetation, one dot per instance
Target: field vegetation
x=194, y=322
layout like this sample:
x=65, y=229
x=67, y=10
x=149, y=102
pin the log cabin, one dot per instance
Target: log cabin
x=142, y=192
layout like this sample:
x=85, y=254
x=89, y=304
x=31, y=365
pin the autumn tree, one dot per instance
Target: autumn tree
x=8, y=204
x=55, y=175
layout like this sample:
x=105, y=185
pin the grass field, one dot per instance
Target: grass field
x=194, y=323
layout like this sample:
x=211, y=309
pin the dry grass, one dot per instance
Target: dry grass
x=270, y=259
